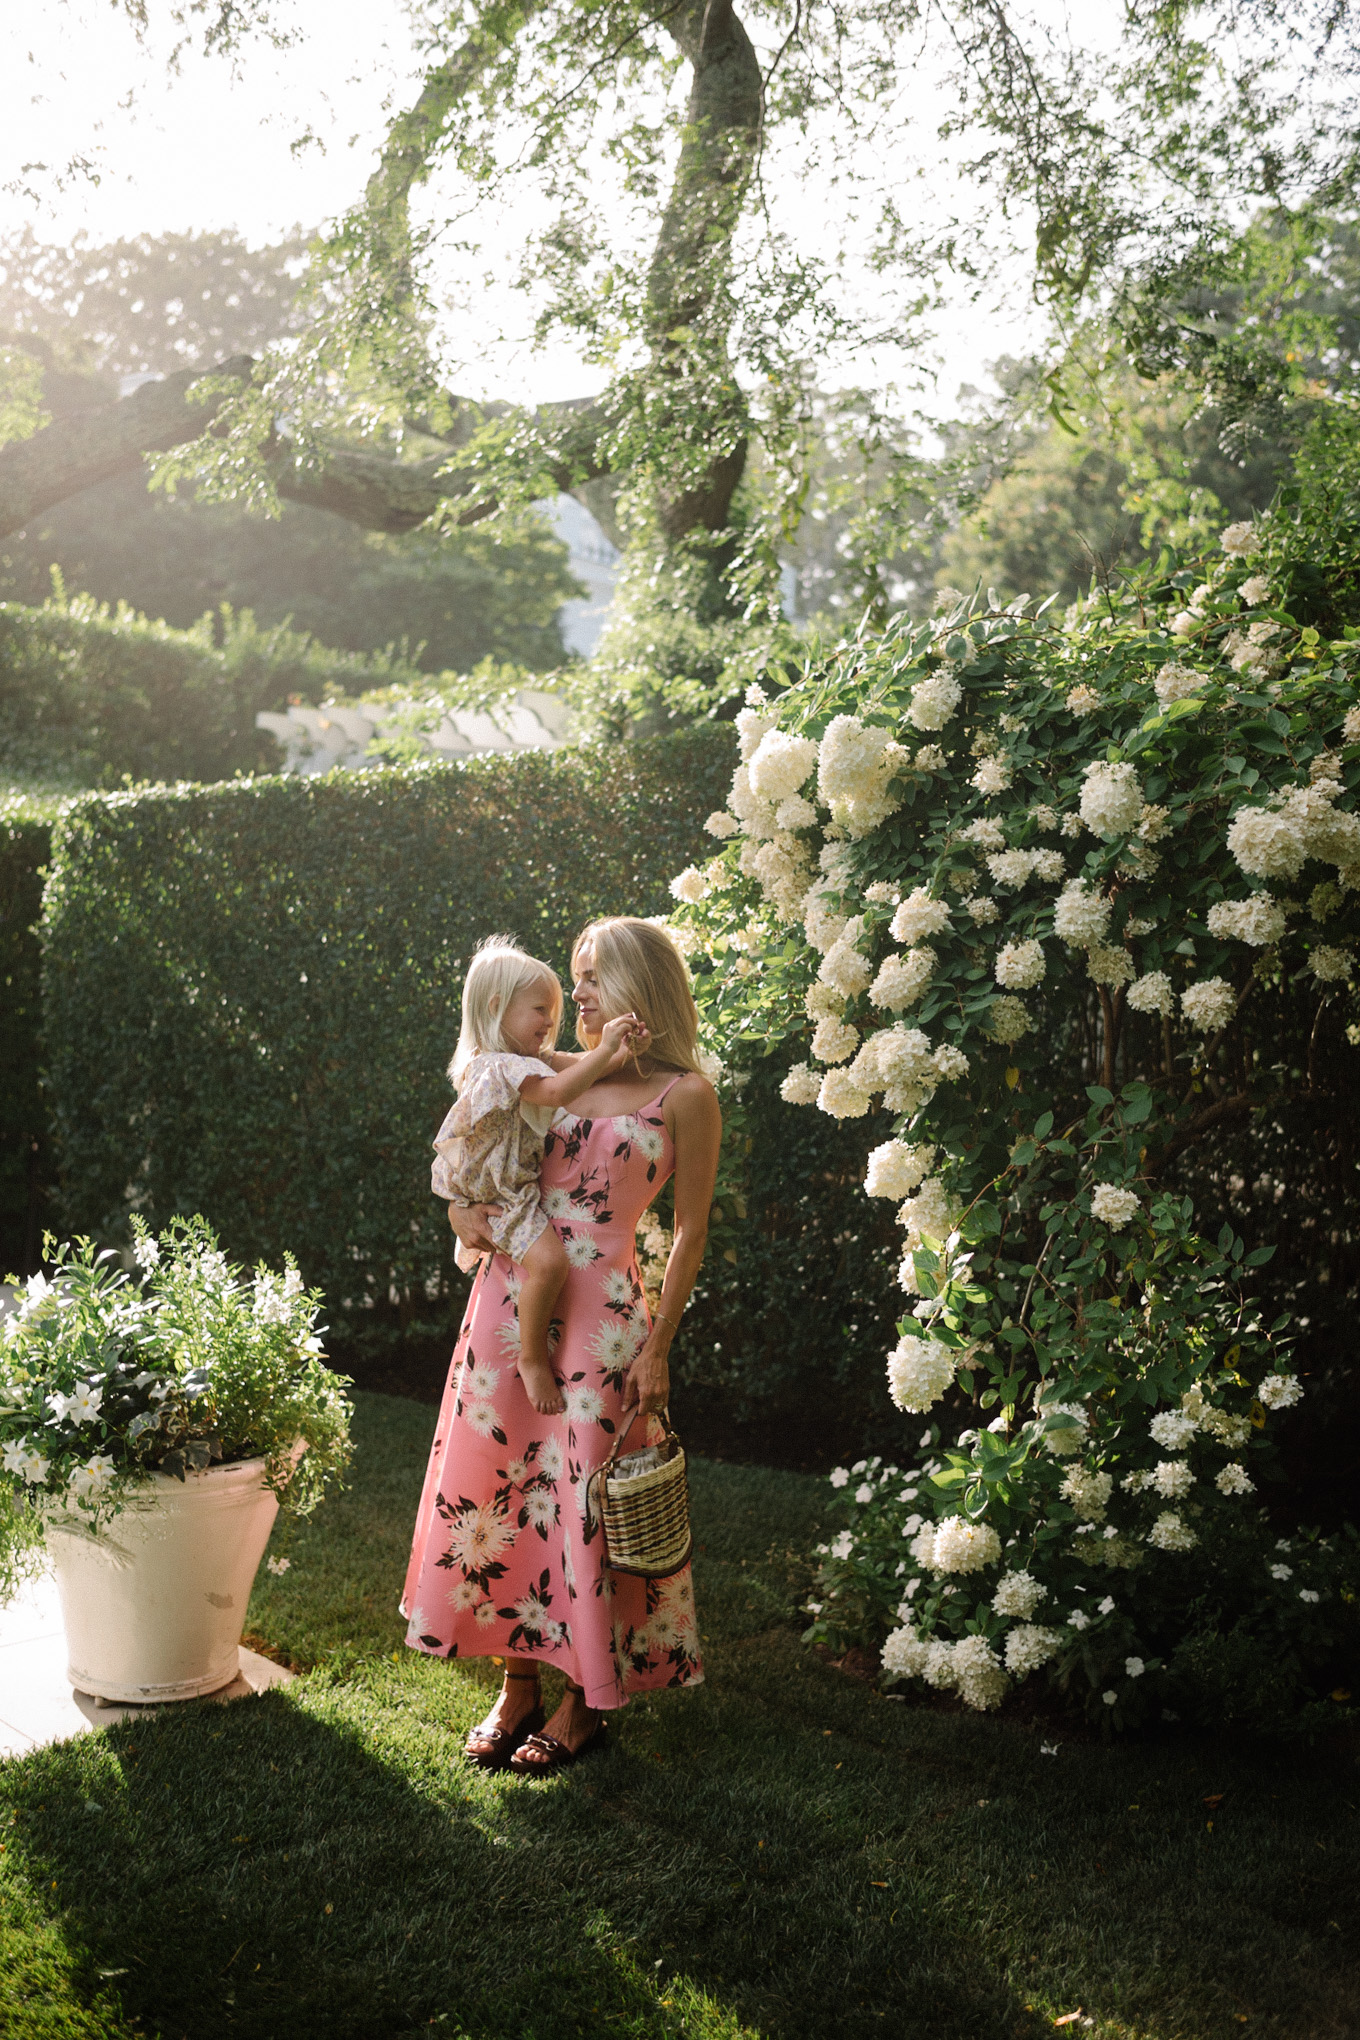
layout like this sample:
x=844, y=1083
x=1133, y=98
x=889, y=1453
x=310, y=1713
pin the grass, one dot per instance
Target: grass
x=782, y=1852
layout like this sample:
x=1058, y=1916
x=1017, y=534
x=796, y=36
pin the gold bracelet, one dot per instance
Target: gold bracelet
x=673, y=1322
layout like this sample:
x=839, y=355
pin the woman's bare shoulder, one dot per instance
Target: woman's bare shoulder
x=693, y=1100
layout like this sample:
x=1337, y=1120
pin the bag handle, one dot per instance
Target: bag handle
x=665, y=1417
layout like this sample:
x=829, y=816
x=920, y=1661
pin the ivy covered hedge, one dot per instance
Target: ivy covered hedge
x=25, y=840
x=91, y=695
x=252, y=989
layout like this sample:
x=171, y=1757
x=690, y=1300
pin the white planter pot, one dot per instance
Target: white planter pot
x=154, y=1605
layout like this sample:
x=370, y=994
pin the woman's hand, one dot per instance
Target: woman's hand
x=469, y=1222
x=648, y=1381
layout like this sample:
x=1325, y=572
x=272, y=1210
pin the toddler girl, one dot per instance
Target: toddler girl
x=510, y=1081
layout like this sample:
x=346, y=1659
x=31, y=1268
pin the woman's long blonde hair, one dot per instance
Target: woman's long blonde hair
x=499, y=968
x=639, y=970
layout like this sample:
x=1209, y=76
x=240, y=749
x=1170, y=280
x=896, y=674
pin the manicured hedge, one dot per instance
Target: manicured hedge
x=252, y=989
x=90, y=696
x=25, y=840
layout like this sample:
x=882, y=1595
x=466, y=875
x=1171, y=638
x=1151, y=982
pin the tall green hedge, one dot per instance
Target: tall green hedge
x=252, y=989
x=25, y=1162
x=91, y=695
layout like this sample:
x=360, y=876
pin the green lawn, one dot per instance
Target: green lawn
x=782, y=1851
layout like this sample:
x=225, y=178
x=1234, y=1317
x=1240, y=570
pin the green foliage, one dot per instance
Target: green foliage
x=25, y=839
x=1114, y=1369
x=89, y=695
x=103, y=1381
x=252, y=990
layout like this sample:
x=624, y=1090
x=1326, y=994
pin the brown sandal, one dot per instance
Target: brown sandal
x=539, y=1755
x=491, y=1749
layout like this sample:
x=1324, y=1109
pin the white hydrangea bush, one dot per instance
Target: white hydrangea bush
x=1031, y=956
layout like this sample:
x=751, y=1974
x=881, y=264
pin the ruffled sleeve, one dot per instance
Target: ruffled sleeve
x=493, y=1085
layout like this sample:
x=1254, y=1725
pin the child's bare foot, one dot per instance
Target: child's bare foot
x=540, y=1385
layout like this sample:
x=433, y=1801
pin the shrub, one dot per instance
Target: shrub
x=251, y=990
x=25, y=840
x=90, y=695
x=1053, y=903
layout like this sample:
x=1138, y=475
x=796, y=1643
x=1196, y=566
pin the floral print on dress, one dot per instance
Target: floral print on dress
x=506, y=1558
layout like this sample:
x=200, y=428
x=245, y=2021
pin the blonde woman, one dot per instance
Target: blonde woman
x=505, y=1560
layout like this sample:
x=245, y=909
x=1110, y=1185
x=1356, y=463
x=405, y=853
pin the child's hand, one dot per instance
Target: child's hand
x=618, y=1037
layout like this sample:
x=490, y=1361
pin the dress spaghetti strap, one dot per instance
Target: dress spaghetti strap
x=661, y=1096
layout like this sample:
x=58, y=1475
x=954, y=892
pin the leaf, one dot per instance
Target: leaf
x=1098, y=1095
x=1012, y=1074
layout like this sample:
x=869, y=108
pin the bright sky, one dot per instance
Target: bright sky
x=204, y=148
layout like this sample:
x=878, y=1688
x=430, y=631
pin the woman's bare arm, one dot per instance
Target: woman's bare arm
x=582, y=1071
x=696, y=1131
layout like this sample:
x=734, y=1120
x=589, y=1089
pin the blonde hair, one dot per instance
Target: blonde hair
x=639, y=970
x=499, y=968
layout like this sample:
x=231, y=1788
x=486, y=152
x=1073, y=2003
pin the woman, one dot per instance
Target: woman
x=506, y=1559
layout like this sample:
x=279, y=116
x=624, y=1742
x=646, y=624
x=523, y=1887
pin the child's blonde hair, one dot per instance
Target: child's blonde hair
x=639, y=970
x=499, y=968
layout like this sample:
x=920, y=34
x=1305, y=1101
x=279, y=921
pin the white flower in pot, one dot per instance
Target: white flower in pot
x=150, y=1431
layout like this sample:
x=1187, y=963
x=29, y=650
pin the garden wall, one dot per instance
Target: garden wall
x=252, y=989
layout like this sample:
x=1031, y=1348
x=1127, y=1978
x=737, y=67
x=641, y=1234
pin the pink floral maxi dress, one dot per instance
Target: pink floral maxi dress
x=504, y=1560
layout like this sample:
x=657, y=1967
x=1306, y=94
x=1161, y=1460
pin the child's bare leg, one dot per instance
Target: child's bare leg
x=544, y=1270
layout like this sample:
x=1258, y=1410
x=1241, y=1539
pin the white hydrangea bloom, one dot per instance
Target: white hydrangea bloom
x=1111, y=799
x=801, y=1085
x=795, y=813
x=1173, y=1479
x=985, y=833
x=930, y=1214
x=1007, y=1020
x=1107, y=964
x=751, y=728
x=949, y=1063
x=1018, y=1594
x=1028, y=1647
x=1232, y=1430
x=882, y=894
x=1020, y=965
x=780, y=764
x=722, y=825
x=841, y=1097
x=1071, y=825
x=1083, y=700
x=1011, y=868
x=1280, y=1391
x=1184, y=623
x=939, y=1665
x=843, y=966
x=1172, y=1430
x=963, y=1547
x=934, y=700
x=983, y=909
x=755, y=815
x=902, y=980
x=1089, y=1493
x=690, y=886
x=1080, y=917
x=1258, y=920
x=855, y=764
x=1241, y=540
x=1233, y=1480
x=1154, y=823
x=1048, y=865
x=1043, y=816
x=1066, y=1438
x=897, y=1168
x=904, y=1655
x=992, y=776
x=823, y=923
x=782, y=871
x=1175, y=682
x=1350, y=728
x=1267, y=843
x=1170, y=1533
x=977, y=1672
x=833, y=1040
x=919, y=916
x=1209, y=1005
x=930, y=758
x=1329, y=965
x=1255, y=590
x=1114, y=1207
x=1152, y=994
x=919, y=1372
x=823, y=1002
x=897, y=1061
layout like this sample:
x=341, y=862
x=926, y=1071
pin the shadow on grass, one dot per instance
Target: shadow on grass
x=780, y=1852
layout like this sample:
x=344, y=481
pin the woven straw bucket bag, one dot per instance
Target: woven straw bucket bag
x=642, y=1499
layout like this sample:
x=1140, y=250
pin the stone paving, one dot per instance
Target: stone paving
x=37, y=1702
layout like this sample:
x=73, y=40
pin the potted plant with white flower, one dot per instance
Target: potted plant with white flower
x=150, y=1431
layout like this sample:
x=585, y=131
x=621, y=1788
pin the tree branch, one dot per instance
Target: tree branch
x=1238, y=1107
